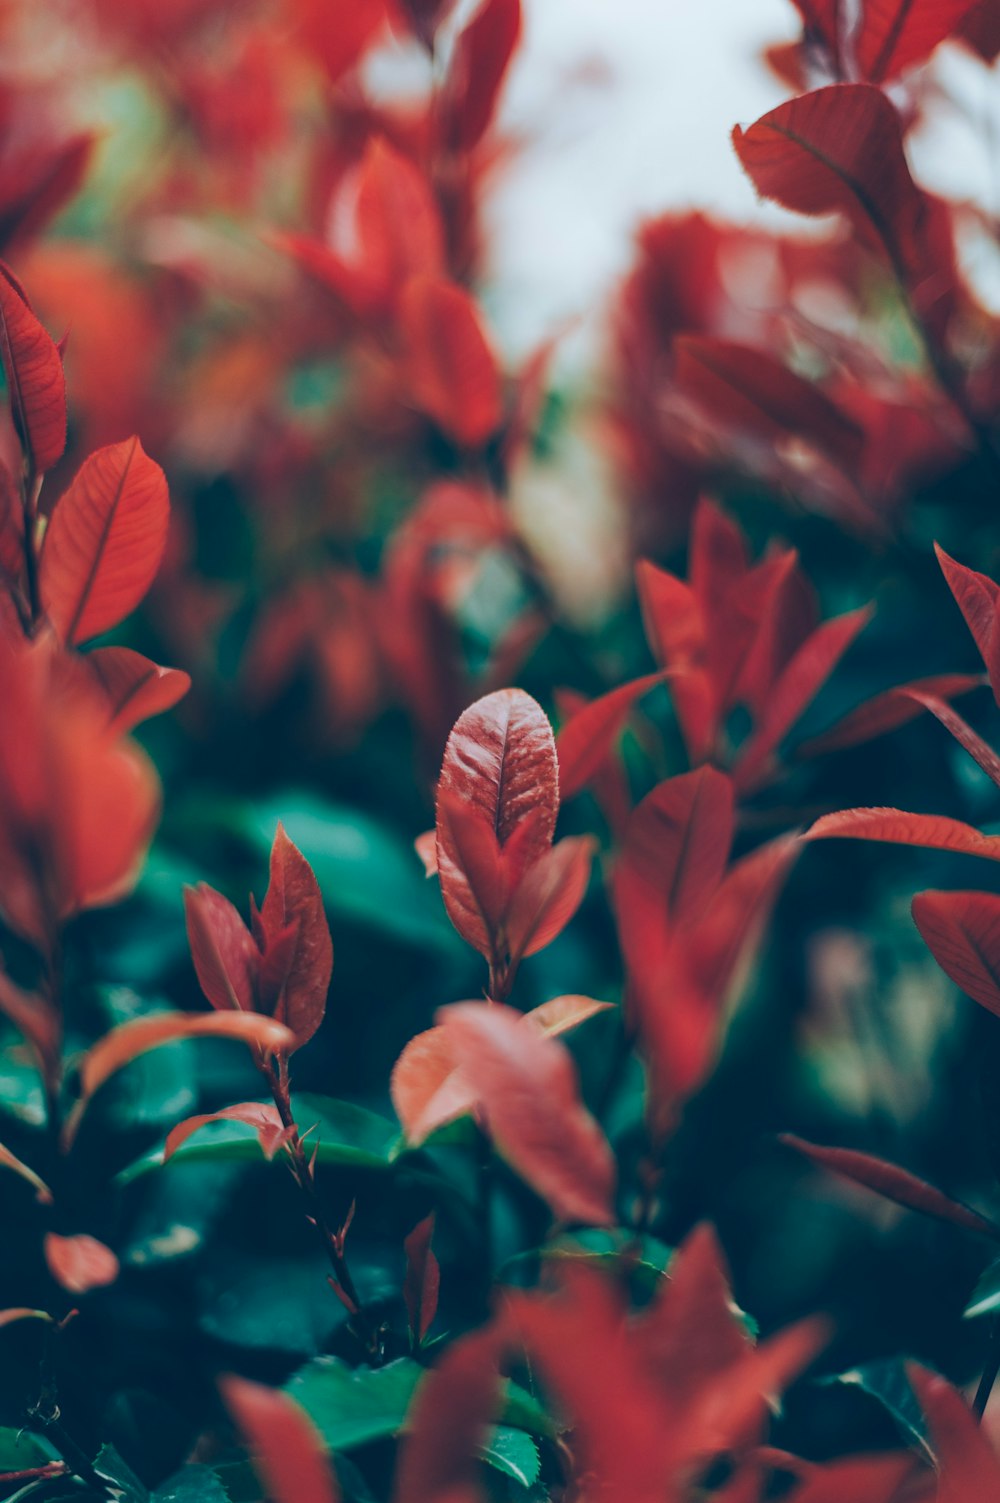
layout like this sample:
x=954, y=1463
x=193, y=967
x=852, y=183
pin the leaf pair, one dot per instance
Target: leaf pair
x=281, y=965
x=507, y=889
x=688, y=922
x=509, y=1070
x=888, y=36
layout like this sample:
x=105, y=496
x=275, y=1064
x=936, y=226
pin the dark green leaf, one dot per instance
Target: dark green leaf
x=192, y=1484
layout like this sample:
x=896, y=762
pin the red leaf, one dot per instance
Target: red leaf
x=448, y=1422
x=474, y=887
x=479, y=63
x=586, y=739
x=35, y=377
x=896, y=34
x=339, y=32
x=528, y=1086
x=838, y=150
x=795, y=688
x=963, y=733
x=976, y=597
x=887, y=712
x=10, y=1161
x=104, y=542
x=262, y=1116
x=748, y=388
x=222, y=948
x=426, y=1086
x=894, y=1184
x=80, y=1263
x=691, y=1331
x=287, y=1449
x=962, y=932
x=560, y=1014
x=136, y=688
x=548, y=895
x=451, y=369
x=425, y=16
x=968, y=1467
x=293, y=897
x=39, y=1021
x=423, y=1279
x=895, y=826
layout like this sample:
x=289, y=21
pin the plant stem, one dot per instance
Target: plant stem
x=990, y=1369
x=305, y=1178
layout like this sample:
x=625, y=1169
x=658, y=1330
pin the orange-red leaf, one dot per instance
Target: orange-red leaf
x=448, y=1422
x=451, y=370
x=35, y=377
x=528, y=1087
x=104, y=542
x=286, y=1447
x=897, y=34
x=895, y=826
x=478, y=66
x=262, y=1116
x=968, y=1467
x=135, y=687
x=548, y=895
x=894, y=1184
x=588, y=735
x=293, y=898
x=423, y=1279
x=80, y=1263
x=962, y=932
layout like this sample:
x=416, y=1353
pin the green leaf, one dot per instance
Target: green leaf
x=986, y=1295
x=125, y=1486
x=351, y=1407
x=20, y=1450
x=645, y=1260
x=886, y=1382
x=192, y=1484
x=347, y=1136
x=514, y=1453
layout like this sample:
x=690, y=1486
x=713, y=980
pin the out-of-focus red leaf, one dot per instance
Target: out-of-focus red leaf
x=425, y=846
x=126, y=1042
x=293, y=897
x=286, y=1447
x=548, y=895
x=478, y=66
x=104, y=542
x=448, y=1422
x=425, y=16
x=423, y=1279
x=35, y=377
x=17, y=1166
x=586, y=739
x=80, y=1263
x=980, y=31
x=261, y=1116
x=838, y=150
x=560, y=1014
x=894, y=1184
x=451, y=370
x=897, y=827
x=977, y=598
x=748, y=388
x=691, y=1332
x=962, y=932
x=222, y=948
x=338, y=33
x=135, y=687
x=897, y=34
x=35, y=184
x=968, y=1467
x=887, y=712
x=795, y=688
x=870, y=1479
x=527, y=1085
x=39, y=1021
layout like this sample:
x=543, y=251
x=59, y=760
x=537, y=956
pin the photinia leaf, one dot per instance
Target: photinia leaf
x=134, y=687
x=963, y=733
x=35, y=377
x=887, y=712
x=897, y=34
x=338, y=33
x=271, y=1132
x=452, y=373
x=10, y=1160
x=293, y=898
x=976, y=596
x=449, y=1423
x=476, y=892
x=548, y=895
x=894, y=1184
x=968, y=1467
x=129, y=1040
x=479, y=63
x=423, y=1279
x=586, y=739
x=895, y=826
x=286, y=1446
x=560, y=1014
x=104, y=542
x=527, y=1085
x=222, y=948
x=962, y=932
x=838, y=150
x=743, y=386
x=80, y=1263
